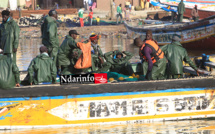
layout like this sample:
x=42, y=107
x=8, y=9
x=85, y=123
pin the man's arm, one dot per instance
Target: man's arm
x=31, y=71
x=108, y=57
x=147, y=52
x=128, y=55
x=187, y=60
x=16, y=37
x=53, y=72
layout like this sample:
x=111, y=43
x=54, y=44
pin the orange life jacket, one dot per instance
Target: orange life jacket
x=84, y=60
x=157, y=53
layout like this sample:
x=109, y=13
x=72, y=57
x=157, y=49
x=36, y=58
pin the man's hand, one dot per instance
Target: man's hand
x=101, y=60
x=199, y=72
x=17, y=85
x=31, y=84
x=15, y=50
x=75, y=54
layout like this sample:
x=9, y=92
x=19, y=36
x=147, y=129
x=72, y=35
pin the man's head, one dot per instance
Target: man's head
x=181, y=0
x=195, y=7
x=5, y=15
x=148, y=35
x=94, y=38
x=91, y=9
x=53, y=13
x=120, y=5
x=119, y=55
x=138, y=42
x=176, y=37
x=43, y=49
x=73, y=34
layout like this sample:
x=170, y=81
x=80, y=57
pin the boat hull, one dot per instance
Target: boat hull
x=72, y=105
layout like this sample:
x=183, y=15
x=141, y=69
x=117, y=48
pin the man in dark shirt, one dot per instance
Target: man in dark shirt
x=154, y=57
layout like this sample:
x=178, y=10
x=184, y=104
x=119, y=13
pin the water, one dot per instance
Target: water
x=176, y=127
x=29, y=48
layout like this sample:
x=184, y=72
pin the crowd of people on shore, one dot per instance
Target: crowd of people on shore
x=73, y=57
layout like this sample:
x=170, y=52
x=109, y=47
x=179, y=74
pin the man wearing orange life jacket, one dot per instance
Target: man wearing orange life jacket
x=154, y=57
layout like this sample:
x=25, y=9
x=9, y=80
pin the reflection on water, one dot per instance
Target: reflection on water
x=180, y=127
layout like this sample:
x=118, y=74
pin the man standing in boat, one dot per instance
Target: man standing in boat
x=175, y=55
x=9, y=35
x=154, y=57
x=68, y=51
x=50, y=35
x=42, y=68
x=9, y=74
x=195, y=14
x=181, y=10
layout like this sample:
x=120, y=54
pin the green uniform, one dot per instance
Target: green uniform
x=9, y=74
x=65, y=51
x=42, y=69
x=181, y=10
x=96, y=63
x=175, y=55
x=9, y=38
x=50, y=36
x=120, y=65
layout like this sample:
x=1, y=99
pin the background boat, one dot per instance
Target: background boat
x=206, y=8
x=195, y=35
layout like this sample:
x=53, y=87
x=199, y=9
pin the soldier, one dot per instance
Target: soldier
x=119, y=63
x=9, y=76
x=9, y=35
x=50, y=35
x=175, y=55
x=97, y=55
x=42, y=68
x=68, y=51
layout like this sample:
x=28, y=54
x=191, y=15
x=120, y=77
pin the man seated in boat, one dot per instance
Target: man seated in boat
x=42, y=68
x=175, y=55
x=119, y=62
x=155, y=61
x=68, y=51
x=97, y=55
x=9, y=74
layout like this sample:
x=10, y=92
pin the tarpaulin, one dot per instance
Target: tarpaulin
x=164, y=7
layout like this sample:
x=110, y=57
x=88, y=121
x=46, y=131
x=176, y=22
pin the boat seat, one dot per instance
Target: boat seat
x=188, y=69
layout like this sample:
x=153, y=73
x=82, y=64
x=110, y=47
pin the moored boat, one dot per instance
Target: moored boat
x=206, y=8
x=195, y=35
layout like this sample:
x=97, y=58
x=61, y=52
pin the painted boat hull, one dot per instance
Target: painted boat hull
x=76, y=104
